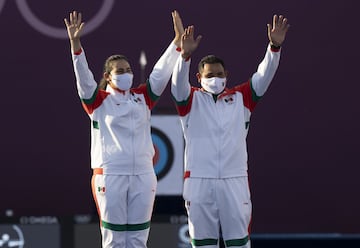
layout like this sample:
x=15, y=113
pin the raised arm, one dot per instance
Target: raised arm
x=180, y=85
x=85, y=81
x=162, y=70
x=261, y=79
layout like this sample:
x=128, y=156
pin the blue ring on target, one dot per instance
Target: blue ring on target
x=165, y=152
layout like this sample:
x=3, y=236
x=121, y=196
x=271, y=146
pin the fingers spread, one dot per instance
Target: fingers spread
x=71, y=18
x=78, y=19
x=280, y=22
x=74, y=17
x=285, y=24
x=275, y=20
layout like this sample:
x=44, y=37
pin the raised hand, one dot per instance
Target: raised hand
x=178, y=27
x=277, y=31
x=188, y=43
x=75, y=26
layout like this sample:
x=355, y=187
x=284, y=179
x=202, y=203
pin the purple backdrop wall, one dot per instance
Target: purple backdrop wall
x=303, y=140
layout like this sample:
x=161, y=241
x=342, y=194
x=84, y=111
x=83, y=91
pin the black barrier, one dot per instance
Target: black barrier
x=166, y=231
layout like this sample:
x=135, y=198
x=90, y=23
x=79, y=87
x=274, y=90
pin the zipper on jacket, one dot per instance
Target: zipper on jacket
x=132, y=133
x=218, y=137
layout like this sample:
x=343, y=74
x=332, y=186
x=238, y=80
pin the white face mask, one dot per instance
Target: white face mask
x=123, y=81
x=214, y=85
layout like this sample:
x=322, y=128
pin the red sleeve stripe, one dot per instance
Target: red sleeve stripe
x=78, y=52
x=95, y=101
x=150, y=97
x=184, y=107
x=249, y=97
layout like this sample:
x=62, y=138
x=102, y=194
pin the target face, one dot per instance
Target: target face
x=164, y=153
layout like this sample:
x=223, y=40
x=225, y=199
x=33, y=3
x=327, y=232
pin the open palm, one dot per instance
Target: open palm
x=74, y=26
x=277, y=31
x=178, y=27
x=188, y=43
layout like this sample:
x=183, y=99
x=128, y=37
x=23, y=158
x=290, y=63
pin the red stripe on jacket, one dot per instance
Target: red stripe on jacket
x=99, y=98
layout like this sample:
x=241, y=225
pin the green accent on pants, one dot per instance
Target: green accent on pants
x=125, y=227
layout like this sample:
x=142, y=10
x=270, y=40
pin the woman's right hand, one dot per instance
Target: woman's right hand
x=75, y=26
x=178, y=27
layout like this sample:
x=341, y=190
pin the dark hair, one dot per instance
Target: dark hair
x=210, y=59
x=107, y=67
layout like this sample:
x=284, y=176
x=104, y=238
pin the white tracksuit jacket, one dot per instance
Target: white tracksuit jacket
x=215, y=132
x=121, y=141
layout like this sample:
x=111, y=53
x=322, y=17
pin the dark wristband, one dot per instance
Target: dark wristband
x=275, y=48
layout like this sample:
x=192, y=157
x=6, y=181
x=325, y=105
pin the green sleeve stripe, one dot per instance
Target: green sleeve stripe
x=237, y=242
x=92, y=99
x=254, y=97
x=181, y=103
x=125, y=227
x=204, y=242
x=151, y=94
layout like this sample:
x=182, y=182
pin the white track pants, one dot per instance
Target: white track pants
x=211, y=203
x=125, y=204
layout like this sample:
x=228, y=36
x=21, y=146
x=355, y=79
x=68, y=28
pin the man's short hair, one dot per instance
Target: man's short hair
x=210, y=59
